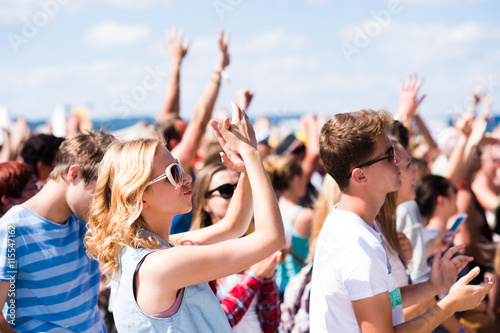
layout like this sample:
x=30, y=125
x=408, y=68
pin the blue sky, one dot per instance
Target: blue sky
x=319, y=56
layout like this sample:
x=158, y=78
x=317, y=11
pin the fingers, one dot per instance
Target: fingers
x=407, y=84
x=436, y=262
x=461, y=261
x=451, y=252
x=419, y=84
x=223, y=158
x=421, y=99
x=470, y=276
x=236, y=112
x=226, y=40
x=188, y=44
x=491, y=280
x=227, y=123
x=180, y=35
x=217, y=128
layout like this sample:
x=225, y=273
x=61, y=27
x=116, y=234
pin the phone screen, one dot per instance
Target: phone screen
x=460, y=219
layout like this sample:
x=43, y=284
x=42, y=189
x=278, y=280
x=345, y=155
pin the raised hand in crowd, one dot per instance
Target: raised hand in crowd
x=408, y=100
x=177, y=52
x=5, y=148
x=224, y=50
x=408, y=111
x=244, y=97
x=186, y=146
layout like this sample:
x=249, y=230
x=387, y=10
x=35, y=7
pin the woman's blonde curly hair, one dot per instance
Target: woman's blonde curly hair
x=115, y=217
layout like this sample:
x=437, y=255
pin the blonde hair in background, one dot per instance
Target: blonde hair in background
x=281, y=170
x=329, y=196
x=386, y=221
x=115, y=217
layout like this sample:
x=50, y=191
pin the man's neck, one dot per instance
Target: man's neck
x=366, y=209
x=50, y=203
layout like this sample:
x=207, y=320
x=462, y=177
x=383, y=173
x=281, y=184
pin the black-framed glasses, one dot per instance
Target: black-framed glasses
x=226, y=191
x=391, y=155
x=174, y=173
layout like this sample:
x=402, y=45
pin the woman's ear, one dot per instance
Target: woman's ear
x=207, y=209
x=145, y=204
x=440, y=200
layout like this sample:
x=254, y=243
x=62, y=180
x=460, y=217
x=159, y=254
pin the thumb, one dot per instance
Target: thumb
x=436, y=260
x=470, y=276
x=215, y=124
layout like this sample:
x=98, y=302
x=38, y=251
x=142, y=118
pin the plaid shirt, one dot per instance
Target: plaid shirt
x=240, y=297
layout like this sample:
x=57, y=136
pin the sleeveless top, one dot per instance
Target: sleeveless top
x=300, y=246
x=199, y=310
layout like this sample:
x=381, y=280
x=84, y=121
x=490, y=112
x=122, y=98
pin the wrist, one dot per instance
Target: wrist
x=175, y=63
x=255, y=276
x=462, y=328
x=401, y=117
x=249, y=152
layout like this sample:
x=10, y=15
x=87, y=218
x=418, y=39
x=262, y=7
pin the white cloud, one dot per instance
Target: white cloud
x=318, y=1
x=425, y=45
x=12, y=11
x=99, y=83
x=272, y=40
x=112, y=34
x=141, y=5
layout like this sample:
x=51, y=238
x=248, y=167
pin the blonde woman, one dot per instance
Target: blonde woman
x=160, y=280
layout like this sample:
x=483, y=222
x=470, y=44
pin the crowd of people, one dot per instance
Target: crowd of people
x=214, y=226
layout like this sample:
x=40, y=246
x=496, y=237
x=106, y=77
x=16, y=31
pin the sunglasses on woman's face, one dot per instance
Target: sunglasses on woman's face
x=174, y=173
x=226, y=191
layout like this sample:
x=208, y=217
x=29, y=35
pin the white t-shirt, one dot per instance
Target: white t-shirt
x=350, y=264
x=250, y=321
x=408, y=222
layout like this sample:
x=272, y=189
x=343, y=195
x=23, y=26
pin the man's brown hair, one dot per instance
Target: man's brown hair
x=85, y=150
x=348, y=139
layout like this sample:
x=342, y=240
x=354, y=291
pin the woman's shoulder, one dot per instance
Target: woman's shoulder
x=302, y=221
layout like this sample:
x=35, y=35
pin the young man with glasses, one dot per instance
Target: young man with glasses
x=353, y=288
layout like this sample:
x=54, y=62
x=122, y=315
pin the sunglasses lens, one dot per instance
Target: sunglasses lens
x=177, y=175
x=226, y=191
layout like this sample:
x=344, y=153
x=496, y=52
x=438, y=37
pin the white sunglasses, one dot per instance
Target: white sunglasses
x=174, y=173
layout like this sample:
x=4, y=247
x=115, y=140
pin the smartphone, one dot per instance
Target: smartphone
x=460, y=219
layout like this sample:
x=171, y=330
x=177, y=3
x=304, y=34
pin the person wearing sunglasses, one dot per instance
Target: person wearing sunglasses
x=250, y=299
x=159, y=280
x=214, y=187
x=353, y=287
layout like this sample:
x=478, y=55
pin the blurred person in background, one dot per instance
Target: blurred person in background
x=17, y=184
x=287, y=178
x=40, y=152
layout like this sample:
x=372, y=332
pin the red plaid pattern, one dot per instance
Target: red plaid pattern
x=240, y=297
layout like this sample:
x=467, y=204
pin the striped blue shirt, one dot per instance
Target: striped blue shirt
x=53, y=284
